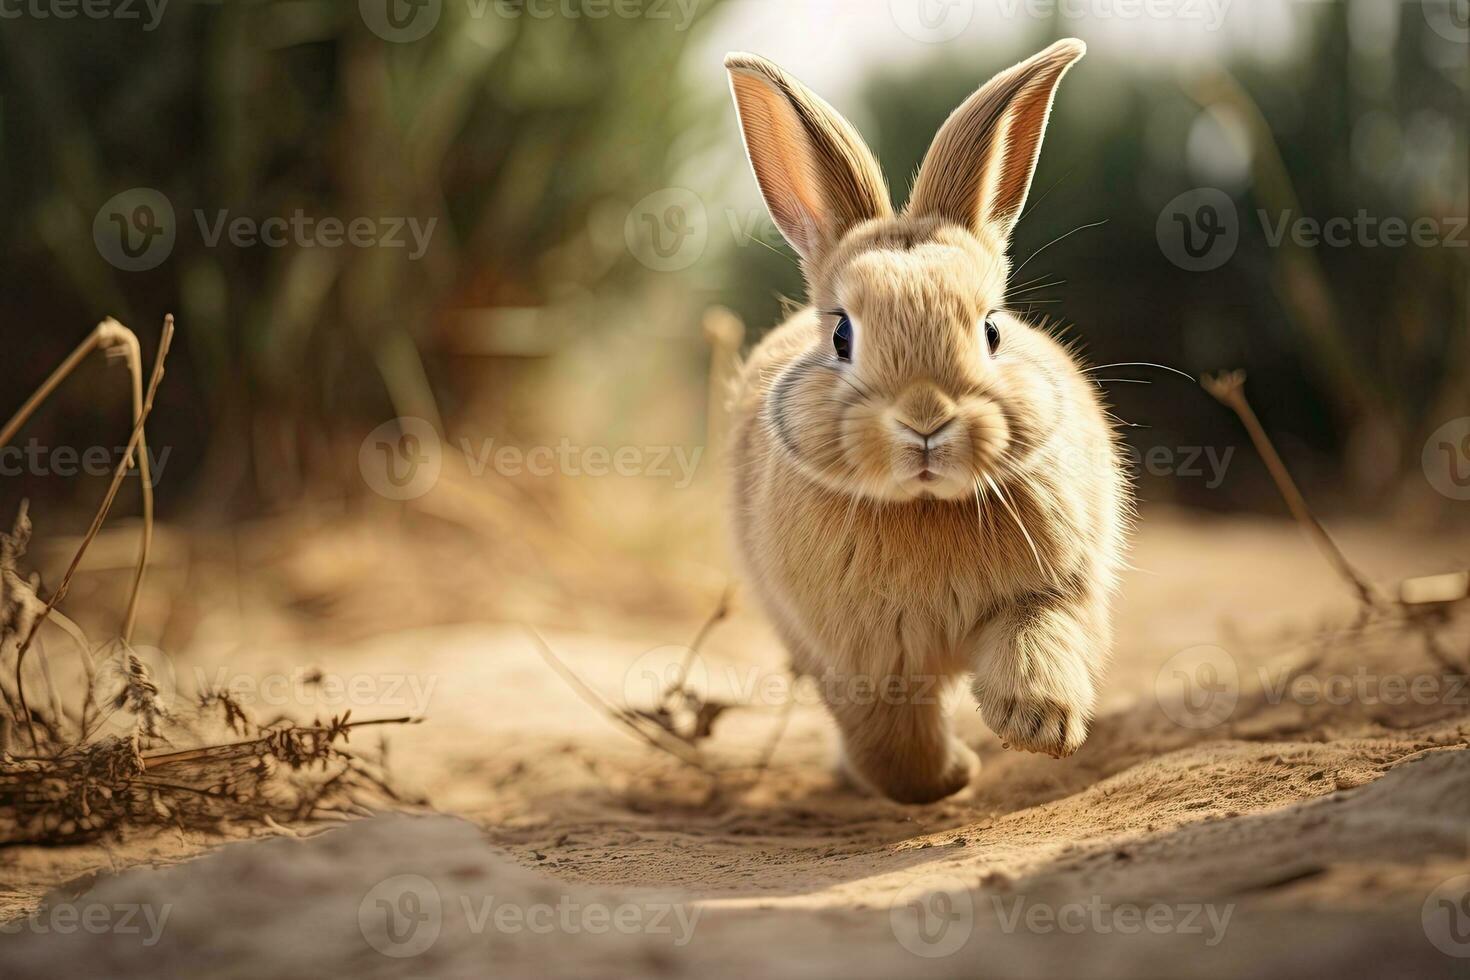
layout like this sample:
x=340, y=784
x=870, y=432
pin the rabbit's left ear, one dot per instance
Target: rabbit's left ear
x=818, y=177
x=978, y=169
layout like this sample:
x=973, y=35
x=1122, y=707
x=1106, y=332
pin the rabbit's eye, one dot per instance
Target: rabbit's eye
x=992, y=335
x=842, y=338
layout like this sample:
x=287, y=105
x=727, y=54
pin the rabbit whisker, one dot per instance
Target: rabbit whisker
x=980, y=505
x=861, y=393
x=1020, y=526
x=1036, y=203
x=1032, y=288
x=1057, y=239
x=1029, y=282
x=757, y=240
x=1161, y=367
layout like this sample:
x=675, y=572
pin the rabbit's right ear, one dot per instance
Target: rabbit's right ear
x=978, y=169
x=817, y=175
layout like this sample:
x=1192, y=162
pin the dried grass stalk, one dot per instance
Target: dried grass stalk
x=114, y=340
x=1228, y=388
x=73, y=788
x=98, y=519
x=282, y=773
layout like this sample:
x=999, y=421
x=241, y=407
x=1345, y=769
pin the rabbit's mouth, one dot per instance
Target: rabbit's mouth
x=909, y=448
x=944, y=458
x=932, y=480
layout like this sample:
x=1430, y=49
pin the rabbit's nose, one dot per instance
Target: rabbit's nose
x=923, y=414
x=919, y=433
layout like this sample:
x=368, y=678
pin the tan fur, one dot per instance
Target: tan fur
x=884, y=585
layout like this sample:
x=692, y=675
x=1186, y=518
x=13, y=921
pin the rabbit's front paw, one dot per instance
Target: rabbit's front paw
x=1032, y=679
x=1035, y=723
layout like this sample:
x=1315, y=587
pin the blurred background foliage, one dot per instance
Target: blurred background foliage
x=528, y=140
x=1354, y=354
x=505, y=131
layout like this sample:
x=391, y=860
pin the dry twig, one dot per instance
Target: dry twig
x=656, y=737
x=101, y=516
x=1229, y=389
x=113, y=339
x=78, y=788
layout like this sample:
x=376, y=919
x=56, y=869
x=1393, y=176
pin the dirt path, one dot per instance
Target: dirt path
x=1246, y=802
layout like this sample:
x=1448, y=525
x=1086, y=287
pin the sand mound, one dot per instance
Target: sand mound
x=1270, y=795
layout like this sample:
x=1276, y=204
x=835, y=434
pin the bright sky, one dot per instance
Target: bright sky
x=830, y=44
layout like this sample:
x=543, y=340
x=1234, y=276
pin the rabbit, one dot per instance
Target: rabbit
x=924, y=486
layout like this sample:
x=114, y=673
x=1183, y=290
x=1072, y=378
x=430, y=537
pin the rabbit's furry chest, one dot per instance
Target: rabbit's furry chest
x=880, y=587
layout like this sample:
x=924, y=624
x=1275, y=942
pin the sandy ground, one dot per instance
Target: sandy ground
x=1267, y=793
